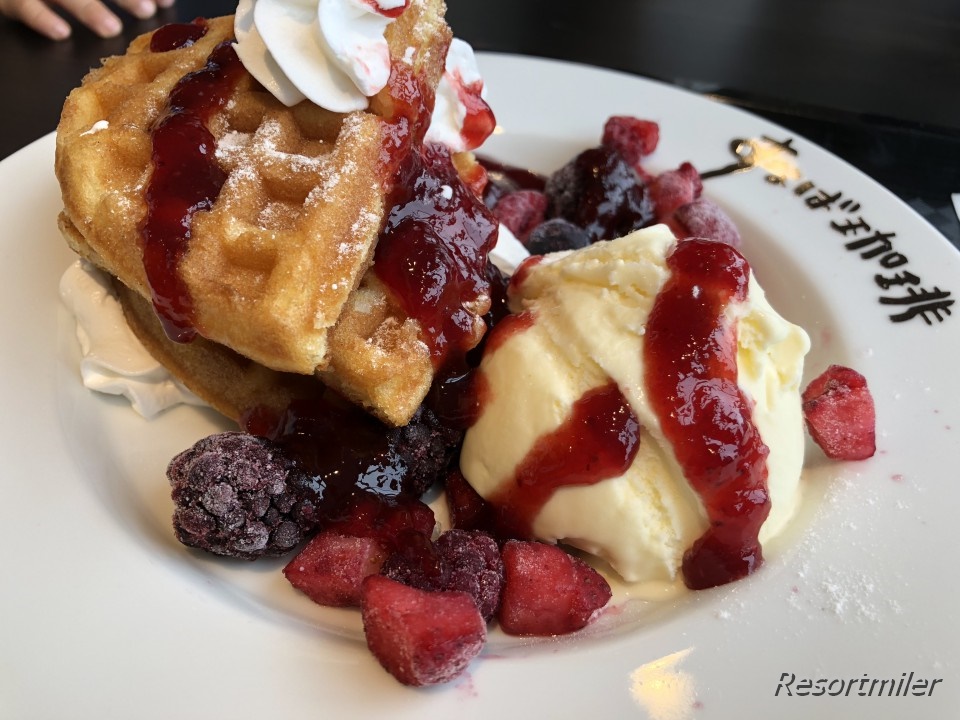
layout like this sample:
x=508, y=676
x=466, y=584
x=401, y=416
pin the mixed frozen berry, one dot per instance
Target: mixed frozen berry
x=548, y=591
x=634, y=138
x=464, y=560
x=521, y=211
x=347, y=491
x=840, y=414
x=603, y=193
x=555, y=235
x=241, y=496
x=421, y=637
x=425, y=598
x=600, y=192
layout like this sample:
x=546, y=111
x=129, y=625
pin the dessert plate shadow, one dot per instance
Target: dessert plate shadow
x=105, y=614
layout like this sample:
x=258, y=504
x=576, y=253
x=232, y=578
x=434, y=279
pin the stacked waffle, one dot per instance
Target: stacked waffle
x=278, y=267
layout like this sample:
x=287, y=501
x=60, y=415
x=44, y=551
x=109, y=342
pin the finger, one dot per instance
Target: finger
x=95, y=15
x=36, y=15
x=142, y=9
x=165, y=3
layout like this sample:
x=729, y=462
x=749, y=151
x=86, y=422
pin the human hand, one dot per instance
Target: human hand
x=38, y=15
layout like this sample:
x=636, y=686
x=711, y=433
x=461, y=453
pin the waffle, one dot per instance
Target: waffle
x=229, y=382
x=277, y=269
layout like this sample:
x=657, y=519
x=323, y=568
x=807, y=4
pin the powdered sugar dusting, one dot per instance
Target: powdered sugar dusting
x=364, y=224
x=851, y=586
x=246, y=153
x=96, y=127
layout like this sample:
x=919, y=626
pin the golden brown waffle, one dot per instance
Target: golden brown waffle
x=277, y=268
x=229, y=382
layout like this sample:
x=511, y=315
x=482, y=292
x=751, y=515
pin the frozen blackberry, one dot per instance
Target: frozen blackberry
x=427, y=446
x=343, y=450
x=599, y=191
x=555, y=235
x=238, y=495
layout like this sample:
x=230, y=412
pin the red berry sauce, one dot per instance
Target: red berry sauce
x=392, y=13
x=508, y=327
x=503, y=179
x=177, y=35
x=518, y=178
x=597, y=440
x=478, y=121
x=432, y=250
x=186, y=179
x=690, y=357
x=342, y=448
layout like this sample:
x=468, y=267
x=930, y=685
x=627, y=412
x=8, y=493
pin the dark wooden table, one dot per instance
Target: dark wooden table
x=876, y=82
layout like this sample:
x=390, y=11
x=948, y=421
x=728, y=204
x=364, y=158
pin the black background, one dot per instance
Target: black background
x=876, y=82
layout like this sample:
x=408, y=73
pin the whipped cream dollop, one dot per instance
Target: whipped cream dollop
x=331, y=52
x=113, y=360
x=335, y=54
x=461, y=120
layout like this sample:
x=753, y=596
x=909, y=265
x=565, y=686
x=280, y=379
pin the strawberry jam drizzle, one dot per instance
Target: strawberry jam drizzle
x=390, y=12
x=177, y=35
x=597, y=440
x=478, y=121
x=691, y=377
x=186, y=179
x=433, y=247
x=508, y=327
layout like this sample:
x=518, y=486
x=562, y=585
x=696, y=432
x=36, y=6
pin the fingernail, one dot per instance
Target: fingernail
x=144, y=9
x=59, y=30
x=109, y=26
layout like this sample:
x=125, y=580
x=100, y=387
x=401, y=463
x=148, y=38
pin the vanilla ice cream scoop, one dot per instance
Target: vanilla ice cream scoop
x=579, y=329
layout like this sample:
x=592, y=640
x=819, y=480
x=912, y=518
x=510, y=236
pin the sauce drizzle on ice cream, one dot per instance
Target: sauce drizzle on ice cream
x=691, y=370
x=596, y=441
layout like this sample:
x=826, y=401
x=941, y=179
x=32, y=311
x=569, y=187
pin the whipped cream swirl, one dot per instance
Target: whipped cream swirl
x=331, y=52
x=461, y=120
x=335, y=54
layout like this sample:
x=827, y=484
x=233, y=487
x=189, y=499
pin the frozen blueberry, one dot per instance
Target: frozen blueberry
x=555, y=235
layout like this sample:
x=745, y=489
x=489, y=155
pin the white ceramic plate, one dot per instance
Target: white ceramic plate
x=103, y=614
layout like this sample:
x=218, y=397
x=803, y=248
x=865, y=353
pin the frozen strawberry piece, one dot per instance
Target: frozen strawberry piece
x=840, y=414
x=331, y=567
x=674, y=188
x=521, y=211
x=372, y=516
x=632, y=137
x=547, y=591
x=705, y=219
x=420, y=637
